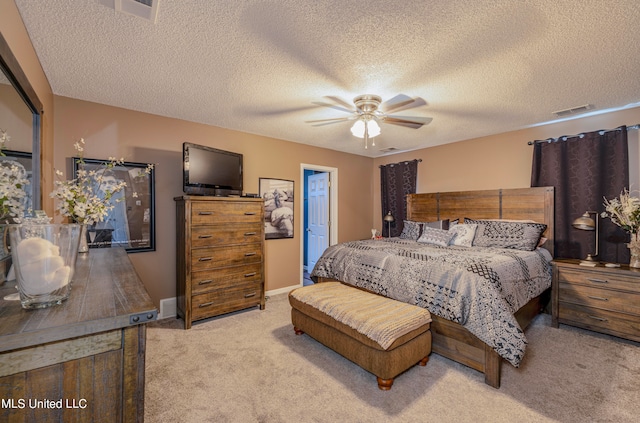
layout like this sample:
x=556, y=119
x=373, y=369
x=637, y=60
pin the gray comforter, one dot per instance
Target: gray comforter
x=480, y=288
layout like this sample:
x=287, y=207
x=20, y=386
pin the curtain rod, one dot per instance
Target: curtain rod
x=405, y=162
x=564, y=137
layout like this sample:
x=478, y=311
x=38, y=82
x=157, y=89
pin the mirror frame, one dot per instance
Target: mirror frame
x=11, y=68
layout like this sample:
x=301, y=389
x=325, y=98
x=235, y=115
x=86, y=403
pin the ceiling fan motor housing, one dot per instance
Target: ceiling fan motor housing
x=367, y=103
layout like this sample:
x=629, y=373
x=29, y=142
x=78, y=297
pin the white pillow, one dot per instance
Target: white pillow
x=462, y=234
x=434, y=236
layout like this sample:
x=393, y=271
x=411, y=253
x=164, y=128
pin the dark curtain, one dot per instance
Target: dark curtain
x=397, y=180
x=584, y=169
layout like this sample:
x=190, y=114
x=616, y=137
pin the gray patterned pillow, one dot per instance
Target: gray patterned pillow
x=438, y=224
x=411, y=230
x=462, y=234
x=514, y=235
x=435, y=236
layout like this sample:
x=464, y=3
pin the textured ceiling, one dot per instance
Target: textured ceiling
x=482, y=67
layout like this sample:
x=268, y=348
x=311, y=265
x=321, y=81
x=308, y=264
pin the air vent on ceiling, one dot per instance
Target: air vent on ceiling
x=388, y=149
x=146, y=9
x=573, y=110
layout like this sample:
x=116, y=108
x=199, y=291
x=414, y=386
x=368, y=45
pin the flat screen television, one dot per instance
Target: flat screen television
x=209, y=171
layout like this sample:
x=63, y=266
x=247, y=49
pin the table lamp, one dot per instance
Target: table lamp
x=586, y=223
x=389, y=218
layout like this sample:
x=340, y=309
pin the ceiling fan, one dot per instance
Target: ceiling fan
x=370, y=110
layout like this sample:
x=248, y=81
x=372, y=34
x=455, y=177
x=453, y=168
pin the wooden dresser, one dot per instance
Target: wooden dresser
x=220, y=249
x=83, y=360
x=600, y=298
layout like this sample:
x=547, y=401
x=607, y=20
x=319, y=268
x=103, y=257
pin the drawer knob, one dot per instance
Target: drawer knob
x=249, y=233
x=249, y=254
x=597, y=280
x=205, y=236
x=205, y=213
x=248, y=275
x=210, y=303
x=205, y=259
x=253, y=294
x=249, y=213
x=206, y=281
x=597, y=298
x=600, y=319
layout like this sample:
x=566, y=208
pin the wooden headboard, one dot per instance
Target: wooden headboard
x=535, y=204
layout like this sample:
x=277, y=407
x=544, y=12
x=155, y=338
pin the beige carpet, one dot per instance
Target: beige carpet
x=250, y=367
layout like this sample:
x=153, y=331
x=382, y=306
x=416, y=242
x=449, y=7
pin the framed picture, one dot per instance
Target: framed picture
x=131, y=222
x=278, y=207
x=23, y=161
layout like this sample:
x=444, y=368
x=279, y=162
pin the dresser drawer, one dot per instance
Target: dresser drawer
x=605, y=321
x=599, y=279
x=213, y=235
x=209, y=258
x=225, y=277
x=212, y=212
x=225, y=301
x=596, y=297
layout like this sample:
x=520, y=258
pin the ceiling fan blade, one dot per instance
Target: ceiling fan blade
x=401, y=102
x=333, y=106
x=408, y=121
x=321, y=122
x=341, y=101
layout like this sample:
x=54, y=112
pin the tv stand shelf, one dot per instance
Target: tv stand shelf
x=220, y=250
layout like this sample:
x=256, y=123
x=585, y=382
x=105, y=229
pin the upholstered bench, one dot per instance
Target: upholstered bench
x=381, y=335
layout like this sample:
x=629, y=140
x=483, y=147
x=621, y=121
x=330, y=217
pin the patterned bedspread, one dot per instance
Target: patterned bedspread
x=480, y=288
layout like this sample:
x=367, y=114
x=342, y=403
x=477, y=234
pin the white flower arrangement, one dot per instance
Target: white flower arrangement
x=624, y=212
x=13, y=178
x=85, y=199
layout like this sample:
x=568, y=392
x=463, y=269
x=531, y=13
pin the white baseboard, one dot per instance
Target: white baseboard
x=168, y=308
x=284, y=290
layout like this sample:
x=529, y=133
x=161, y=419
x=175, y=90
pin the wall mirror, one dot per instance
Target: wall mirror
x=20, y=111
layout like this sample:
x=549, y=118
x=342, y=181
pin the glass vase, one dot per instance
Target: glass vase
x=44, y=259
x=634, y=250
x=84, y=244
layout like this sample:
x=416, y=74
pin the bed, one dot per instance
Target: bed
x=454, y=336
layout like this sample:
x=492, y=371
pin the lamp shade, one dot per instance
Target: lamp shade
x=585, y=222
x=358, y=128
x=389, y=217
x=372, y=127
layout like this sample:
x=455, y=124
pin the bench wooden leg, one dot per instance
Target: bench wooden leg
x=385, y=384
x=298, y=331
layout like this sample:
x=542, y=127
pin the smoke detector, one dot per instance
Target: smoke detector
x=146, y=9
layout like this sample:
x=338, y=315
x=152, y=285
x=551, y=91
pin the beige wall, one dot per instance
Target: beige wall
x=498, y=161
x=140, y=137
x=15, y=34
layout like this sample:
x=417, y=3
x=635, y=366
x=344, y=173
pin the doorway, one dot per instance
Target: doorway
x=319, y=214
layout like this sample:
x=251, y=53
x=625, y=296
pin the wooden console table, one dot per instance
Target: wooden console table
x=82, y=360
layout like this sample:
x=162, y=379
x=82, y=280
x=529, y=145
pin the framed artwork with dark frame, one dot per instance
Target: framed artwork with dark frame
x=131, y=222
x=22, y=160
x=278, y=207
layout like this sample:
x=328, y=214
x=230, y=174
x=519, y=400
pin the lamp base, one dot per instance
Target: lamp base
x=591, y=258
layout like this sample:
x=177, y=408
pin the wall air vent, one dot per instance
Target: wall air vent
x=574, y=110
x=146, y=9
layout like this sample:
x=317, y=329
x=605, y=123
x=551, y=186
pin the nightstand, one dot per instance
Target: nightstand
x=599, y=298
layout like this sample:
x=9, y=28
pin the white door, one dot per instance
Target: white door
x=318, y=212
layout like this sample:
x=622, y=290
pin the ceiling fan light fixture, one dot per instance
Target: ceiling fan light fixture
x=362, y=125
x=357, y=130
x=374, y=128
